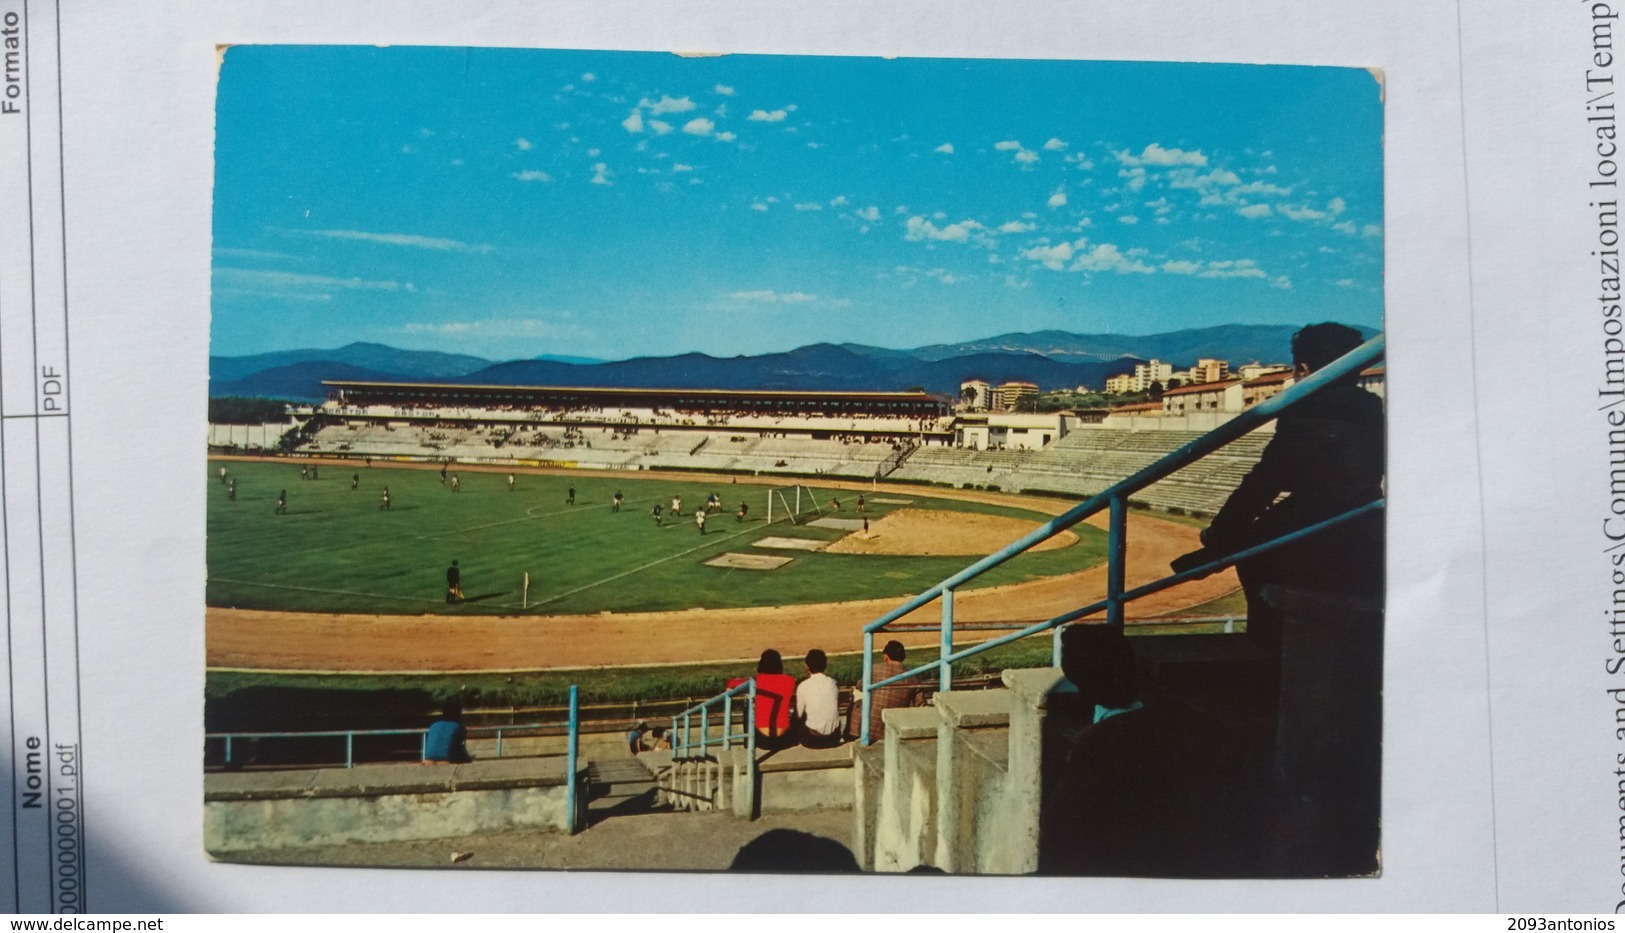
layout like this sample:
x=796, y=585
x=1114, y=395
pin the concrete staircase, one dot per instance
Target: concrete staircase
x=620, y=787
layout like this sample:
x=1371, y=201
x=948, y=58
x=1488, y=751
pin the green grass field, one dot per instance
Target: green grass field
x=336, y=551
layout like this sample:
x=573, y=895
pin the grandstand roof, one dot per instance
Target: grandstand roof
x=651, y=394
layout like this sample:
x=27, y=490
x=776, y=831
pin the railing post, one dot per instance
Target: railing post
x=499, y=742
x=946, y=681
x=705, y=728
x=868, y=678
x=349, y=749
x=1055, y=646
x=571, y=750
x=727, y=722
x=1116, y=559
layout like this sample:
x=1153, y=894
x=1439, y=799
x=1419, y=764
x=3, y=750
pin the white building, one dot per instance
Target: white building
x=1009, y=431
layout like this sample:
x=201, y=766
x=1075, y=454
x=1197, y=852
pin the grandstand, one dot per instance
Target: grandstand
x=902, y=436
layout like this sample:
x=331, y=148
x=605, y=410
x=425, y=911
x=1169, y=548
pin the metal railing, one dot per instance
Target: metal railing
x=1114, y=499
x=685, y=745
x=571, y=754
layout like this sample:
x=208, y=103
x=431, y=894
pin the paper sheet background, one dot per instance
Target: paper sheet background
x=138, y=104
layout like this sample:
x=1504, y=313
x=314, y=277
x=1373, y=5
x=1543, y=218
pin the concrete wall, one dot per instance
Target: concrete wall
x=385, y=803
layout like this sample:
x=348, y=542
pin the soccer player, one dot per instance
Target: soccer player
x=743, y=510
x=454, y=584
x=282, y=502
x=659, y=519
x=615, y=501
x=570, y=496
x=231, y=489
x=383, y=504
x=456, y=484
x=699, y=519
x=510, y=482
x=355, y=481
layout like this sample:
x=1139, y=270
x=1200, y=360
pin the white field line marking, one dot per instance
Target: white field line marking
x=530, y=515
x=642, y=568
x=312, y=589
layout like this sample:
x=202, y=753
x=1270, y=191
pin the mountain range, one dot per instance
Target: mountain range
x=1051, y=359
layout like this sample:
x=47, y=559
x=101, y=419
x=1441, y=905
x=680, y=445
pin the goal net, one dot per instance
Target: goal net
x=793, y=504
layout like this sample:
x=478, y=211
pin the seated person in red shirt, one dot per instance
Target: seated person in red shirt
x=773, y=690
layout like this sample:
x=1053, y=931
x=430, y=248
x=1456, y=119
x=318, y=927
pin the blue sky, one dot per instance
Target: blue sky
x=514, y=203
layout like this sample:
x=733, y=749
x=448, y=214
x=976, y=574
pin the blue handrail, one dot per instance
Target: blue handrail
x=1115, y=500
x=572, y=725
x=683, y=743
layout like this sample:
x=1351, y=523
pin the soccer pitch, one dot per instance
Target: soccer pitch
x=337, y=550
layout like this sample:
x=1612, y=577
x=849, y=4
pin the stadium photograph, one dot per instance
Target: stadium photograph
x=639, y=461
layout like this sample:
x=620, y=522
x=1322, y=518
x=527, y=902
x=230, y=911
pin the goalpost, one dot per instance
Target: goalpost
x=790, y=503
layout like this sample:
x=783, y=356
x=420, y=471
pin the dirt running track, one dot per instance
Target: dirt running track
x=354, y=642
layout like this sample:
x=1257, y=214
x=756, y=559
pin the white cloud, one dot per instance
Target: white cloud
x=1128, y=219
x=1335, y=206
x=1345, y=283
x=601, y=174
x=809, y=206
x=523, y=144
x=661, y=127
x=1053, y=257
x=721, y=111
x=439, y=244
x=1106, y=257
x=1081, y=161
x=870, y=213
x=1254, y=211
x=1371, y=230
x=680, y=167
x=1233, y=269
x=1281, y=282
x=1295, y=212
x=726, y=137
x=1016, y=226
x=1058, y=199
x=594, y=153
x=1160, y=205
x=1155, y=154
x=1181, y=267
x=271, y=282
x=1263, y=188
x=1135, y=177
x=758, y=206
x=699, y=126
x=1026, y=157
x=921, y=229
x=589, y=77
x=1007, y=145
x=838, y=200
x=532, y=175
x=724, y=90
x=945, y=149
x=667, y=104
x=768, y=116
x=769, y=296
x=1054, y=145
x=1346, y=226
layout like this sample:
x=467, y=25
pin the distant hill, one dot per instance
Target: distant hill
x=1238, y=343
x=298, y=382
x=408, y=364
x=1052, y=359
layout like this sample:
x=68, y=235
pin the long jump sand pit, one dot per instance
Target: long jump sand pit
x=934, y=533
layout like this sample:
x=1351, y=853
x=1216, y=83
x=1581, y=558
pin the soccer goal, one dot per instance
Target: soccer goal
x=793, y=504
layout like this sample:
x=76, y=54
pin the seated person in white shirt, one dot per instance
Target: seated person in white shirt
x=817, y=704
